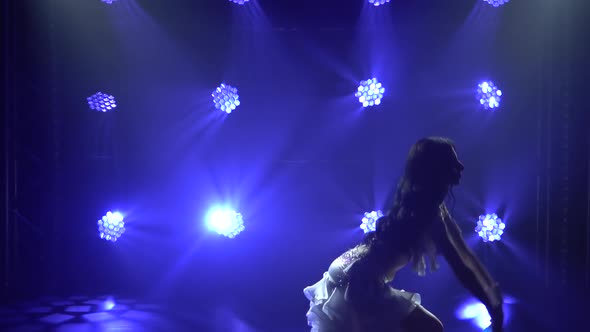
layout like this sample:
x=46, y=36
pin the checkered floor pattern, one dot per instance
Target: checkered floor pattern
x=81, y=314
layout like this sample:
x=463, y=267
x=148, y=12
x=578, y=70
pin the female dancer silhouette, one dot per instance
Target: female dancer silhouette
x=354, y=294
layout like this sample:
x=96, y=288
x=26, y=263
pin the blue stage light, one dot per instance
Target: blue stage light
x=370, y=92
x=490, y=227
x=225, y=222
x=226, y=98
x=496, y=3
x=111, y=226
x=369, y=220
x=476, y=312
x=489, y=95
x=101, y=102
x=378, y=2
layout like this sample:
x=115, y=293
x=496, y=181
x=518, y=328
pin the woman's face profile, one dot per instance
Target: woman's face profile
x=456, y=168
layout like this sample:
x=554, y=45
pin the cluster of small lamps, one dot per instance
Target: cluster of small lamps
x=369, y=221
x=225, y=222
x=101, y=102
x=489, y=227
x=496, y=3
x=370, y=92
x=377, y=3
x=229, y=223
x=489, y=95
x=226, y=98
x=111, y=226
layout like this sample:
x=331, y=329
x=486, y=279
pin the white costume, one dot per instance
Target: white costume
x=331, y=309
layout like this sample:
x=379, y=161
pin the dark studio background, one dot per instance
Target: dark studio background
x=299, y=158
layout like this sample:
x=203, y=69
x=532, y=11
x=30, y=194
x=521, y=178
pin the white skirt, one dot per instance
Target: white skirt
x=329, y=311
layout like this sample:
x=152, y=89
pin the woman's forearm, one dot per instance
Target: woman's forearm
x=478, y=281
x=469, y=270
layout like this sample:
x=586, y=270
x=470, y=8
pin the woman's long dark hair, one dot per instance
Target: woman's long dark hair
x=419, y=194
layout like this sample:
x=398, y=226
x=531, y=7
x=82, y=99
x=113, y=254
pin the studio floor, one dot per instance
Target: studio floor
x=82, y=313
x=106, y=314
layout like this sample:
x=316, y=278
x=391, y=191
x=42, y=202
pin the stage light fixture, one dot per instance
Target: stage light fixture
x=111, y=226
x=488, y=95
x=369, y=221
x=490, y=227
x=378, y=2
x=496, y=3
x=370, y=92
x=226, y=222
x=226, y=98
x=101, y=102
x=476, y=312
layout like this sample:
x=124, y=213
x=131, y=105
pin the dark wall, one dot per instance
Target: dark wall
x=30, y=151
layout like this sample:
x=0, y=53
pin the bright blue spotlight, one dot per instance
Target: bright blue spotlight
x=239, y=2
x=101, y=102
x=476, y=312
x=370, y=92
x=490, y=228
x=496, y=3
x=108, y=304
x=226, y=98
x=111, y=226
x=225, y=222
x=108, y=1
x=489, y=95
x=369, y=220
x=378, y=2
